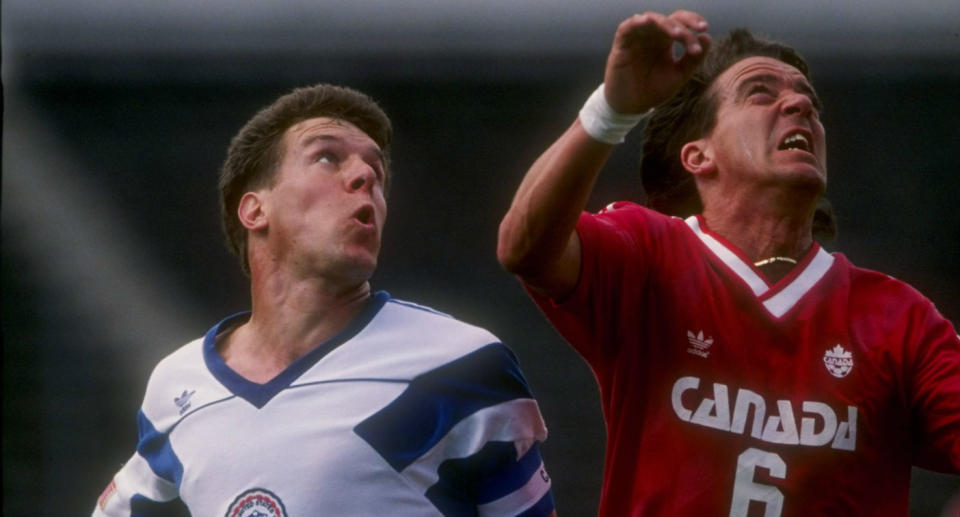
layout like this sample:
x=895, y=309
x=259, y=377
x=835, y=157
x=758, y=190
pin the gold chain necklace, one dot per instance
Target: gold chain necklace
x=771, y=260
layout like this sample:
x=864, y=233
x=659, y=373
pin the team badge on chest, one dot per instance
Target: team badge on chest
x=256, y=502
x=839, y=362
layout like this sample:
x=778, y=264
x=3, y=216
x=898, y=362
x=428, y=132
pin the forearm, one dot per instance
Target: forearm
x=538, y=239
x=543, y=215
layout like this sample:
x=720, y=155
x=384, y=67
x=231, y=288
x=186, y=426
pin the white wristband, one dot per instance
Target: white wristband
x=601, y=122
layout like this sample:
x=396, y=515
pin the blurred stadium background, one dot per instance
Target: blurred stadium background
x=117, y=115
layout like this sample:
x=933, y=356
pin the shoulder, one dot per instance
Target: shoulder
x=430, y=326
x=895, y=306
x=627, y=221
x=627, y=211
x=410, y=340
x=180, y=383
x=875, y=287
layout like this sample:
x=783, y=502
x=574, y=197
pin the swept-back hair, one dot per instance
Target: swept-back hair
x=691, y=114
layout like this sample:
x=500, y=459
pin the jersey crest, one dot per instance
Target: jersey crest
x=839, y=362
x=256, y=502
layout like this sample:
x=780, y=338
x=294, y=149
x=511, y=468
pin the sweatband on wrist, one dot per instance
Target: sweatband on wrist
x=602, y=123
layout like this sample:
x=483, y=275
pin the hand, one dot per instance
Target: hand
x=642, y=71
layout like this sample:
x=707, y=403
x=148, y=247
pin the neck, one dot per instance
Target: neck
x=304, y=314
x=763, y=229
x=289, y=319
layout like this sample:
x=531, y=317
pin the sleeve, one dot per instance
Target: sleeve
x=935, y=391
x=147, y=484
x=615, y=253
x=467, y=433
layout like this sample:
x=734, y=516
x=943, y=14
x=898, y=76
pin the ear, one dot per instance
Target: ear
x=697, y=158
x=251, y=211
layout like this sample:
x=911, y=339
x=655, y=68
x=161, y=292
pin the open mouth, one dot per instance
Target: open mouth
x=365, y=215
x=795, y=141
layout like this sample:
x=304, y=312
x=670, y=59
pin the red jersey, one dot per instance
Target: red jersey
x=725, y=394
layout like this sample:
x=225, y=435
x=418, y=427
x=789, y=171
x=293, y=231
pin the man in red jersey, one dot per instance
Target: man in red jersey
x=743, y=369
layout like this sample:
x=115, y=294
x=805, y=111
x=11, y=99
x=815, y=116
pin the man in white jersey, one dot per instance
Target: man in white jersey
x=328, y=398
x=743, y=369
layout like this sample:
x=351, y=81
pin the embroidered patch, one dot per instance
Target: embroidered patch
x=105, y=496
x=256, y=502
x=839, y=362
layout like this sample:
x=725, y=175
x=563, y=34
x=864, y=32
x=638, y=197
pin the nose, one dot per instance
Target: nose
x=797, y=103
x=361, y=176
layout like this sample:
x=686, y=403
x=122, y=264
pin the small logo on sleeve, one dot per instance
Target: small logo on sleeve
x=699, y=345
x=839, y=362
x=183, y=401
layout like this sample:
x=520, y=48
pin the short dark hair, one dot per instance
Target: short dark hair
x=256, y=150
x=691, y=114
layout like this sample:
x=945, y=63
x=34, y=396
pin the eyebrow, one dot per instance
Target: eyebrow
x=374, y=151
x=801, y=86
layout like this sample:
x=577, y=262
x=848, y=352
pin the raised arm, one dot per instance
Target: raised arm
x=537, y=239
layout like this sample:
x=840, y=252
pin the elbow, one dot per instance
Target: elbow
x=517, y=249
x=524, y=252
x=510, y=261
x=509, y=249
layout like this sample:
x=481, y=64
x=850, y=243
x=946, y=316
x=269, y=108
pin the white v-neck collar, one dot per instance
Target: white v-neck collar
x=780, y=297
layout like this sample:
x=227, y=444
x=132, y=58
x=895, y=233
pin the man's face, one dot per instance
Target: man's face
x=768, y=126
x=326, y=207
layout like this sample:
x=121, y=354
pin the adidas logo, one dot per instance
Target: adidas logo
x=183, y=401
x=700, y=345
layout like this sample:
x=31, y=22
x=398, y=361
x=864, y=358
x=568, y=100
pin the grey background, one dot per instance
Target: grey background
x=117, y=115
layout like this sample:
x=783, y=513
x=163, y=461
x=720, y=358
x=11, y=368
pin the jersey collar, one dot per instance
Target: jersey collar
x=260, y=394
x=780, y=297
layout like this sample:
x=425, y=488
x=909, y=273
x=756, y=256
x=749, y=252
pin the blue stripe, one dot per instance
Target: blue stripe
x=141, y=506
x=155, y=448
x=509, y=478
x=543, y=507
x=486, y=476
x=451, y=500
x=436, y=401
x=459, y=480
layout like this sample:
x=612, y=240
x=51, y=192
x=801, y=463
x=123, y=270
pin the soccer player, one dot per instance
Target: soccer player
x=743, y=369
x=328, y=398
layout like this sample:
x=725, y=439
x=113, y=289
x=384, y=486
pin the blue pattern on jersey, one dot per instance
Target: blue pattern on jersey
x=141, y=506
x=507, y=481
x=155, y=448
x=543, y=507
x=486, y=476
x=260, y=394
x=436, y=401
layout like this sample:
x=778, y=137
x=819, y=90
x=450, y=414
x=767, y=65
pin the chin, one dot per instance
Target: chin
x=361, y=268
x=806, y=178
x=349, y=266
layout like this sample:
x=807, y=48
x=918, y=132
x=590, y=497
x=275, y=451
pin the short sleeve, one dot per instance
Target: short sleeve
x=469, y=431
x=616, y=256
x=146, y=483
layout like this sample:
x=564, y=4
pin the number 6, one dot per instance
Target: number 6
x=746, y=490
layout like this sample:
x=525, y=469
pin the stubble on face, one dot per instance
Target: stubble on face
x=763, y=102
x=329, y=200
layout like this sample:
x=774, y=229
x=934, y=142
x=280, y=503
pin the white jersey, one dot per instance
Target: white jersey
x=407, y=412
